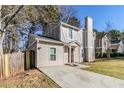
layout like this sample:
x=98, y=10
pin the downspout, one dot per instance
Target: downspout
x=79, y=54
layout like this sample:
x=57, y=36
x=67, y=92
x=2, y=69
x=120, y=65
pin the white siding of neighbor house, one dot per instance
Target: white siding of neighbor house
x=105, y=44
x=43, y=55
x=121, y=47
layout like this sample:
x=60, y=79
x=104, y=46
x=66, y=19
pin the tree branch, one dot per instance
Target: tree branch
x=14, y=14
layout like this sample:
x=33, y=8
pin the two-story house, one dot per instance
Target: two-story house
x=72, y=39
x=102, y=44
x=65, y=44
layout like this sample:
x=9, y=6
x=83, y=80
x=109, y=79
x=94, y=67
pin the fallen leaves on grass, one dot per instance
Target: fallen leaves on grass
x=28, y=79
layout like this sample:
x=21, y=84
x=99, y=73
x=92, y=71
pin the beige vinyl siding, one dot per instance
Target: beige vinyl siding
x=76, y=54
x=43, y=55
x=65, y=55
x=76, y=35
x=89, y=40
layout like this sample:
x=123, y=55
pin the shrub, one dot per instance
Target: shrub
x=117, y=54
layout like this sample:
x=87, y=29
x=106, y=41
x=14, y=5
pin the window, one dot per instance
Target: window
x=52, y=54
x=82, y=53
x=70, y=33
x=65, y=49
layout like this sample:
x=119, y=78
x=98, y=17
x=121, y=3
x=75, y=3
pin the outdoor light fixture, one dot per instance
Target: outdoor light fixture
x=39, y=48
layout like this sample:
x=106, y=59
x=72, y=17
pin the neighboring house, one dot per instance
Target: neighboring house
x=114, y=47
x=102, y=44
x=105, y=43
x=121, y=47
x=98, y=44
x=117, y=47
x=65, y=44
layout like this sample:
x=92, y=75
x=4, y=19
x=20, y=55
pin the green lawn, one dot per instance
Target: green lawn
x=112, y=67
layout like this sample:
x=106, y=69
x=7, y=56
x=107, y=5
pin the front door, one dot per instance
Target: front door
x=72, y=55
x=32, y=59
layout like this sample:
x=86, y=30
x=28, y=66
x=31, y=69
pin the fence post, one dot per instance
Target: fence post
x=22, y=61
x=6, y=65
x=11, y=64
x=27, y=59
x=1, y=66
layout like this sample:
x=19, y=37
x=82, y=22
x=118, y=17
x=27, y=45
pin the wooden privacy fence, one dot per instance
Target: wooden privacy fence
x=11, y=64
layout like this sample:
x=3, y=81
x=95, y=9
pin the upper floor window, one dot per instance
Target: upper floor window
x=70, y=33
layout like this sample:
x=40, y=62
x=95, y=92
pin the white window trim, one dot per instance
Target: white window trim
x=50, y=53
x=70, y=37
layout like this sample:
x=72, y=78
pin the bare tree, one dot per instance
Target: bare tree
x=48, y=16
x=6, y=24
x=108, y=28
x=66, y=12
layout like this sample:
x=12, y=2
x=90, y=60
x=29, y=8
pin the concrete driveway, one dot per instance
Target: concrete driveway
x=71, y=77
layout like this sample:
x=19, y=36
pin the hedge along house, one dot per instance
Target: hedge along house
x=65, y=44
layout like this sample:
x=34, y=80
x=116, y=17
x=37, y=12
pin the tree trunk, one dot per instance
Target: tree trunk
x=1, y=43
x=101, y=54
x=108, y=54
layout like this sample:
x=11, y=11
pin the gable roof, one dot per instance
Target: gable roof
x=46, y=39
x=114, y=46
x=100, y=35
x=115, y=41
x=70, y=26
